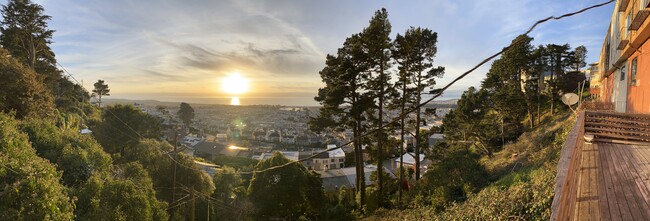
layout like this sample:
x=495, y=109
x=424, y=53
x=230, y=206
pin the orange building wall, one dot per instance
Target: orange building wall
x=607, y=85
x=638, y=96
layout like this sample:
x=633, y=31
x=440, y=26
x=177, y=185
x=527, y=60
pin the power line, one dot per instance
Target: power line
x=395, y=120
x=168, y=154
x=441, y=90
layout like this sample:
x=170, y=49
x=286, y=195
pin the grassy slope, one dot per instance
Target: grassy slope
x=523, y=174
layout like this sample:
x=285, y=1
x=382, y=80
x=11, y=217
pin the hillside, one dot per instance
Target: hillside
x=521, y=181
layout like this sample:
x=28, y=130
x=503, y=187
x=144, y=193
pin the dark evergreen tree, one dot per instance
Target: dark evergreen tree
x=377, y=45
x=121, y=127
x=471, y=123
x=558, y=58
x=101, y=89
x=415, y=52
x=579, y=57
x=186, y=113
x=26, y=35
x=505, y=84
x=345, y=101
x=287, y=192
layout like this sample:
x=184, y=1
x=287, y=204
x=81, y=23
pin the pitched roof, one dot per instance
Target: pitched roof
x=291, y=155
x=409, y=159
x=344, y=177
x=209, y=147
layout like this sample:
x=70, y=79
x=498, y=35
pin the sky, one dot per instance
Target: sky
x=182, y=50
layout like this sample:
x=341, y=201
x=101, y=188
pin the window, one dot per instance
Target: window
x=623, y=70
x=332, y=160
x=341, y=165
x=628, y=23
x=633, y=72
x=341, y=160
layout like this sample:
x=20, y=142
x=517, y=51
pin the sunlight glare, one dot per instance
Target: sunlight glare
x=234, y=101
x=234, y=84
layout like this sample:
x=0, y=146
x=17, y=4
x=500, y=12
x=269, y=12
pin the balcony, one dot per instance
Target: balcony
x=638, y=18
x=604, y=168
x=622, y=44
x=623, y=5
x=622, y=38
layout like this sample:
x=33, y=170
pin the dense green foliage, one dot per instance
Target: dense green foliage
x=521, y=186
x=78, y=156
x=122, y=126
x=29, y=185
x=22, y=92
x=128, y=196
x=24, y=33
x=234, y=162
x=286, y=192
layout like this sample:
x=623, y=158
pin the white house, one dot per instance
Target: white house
x=333, y=159
x=409, y=162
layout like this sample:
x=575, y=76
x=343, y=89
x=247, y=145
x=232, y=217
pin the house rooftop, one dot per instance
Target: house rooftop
x=410, y=159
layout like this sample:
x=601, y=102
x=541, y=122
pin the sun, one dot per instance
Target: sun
x=234, y=84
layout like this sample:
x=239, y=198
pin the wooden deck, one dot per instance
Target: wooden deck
x=613, y=183
x=609, y=179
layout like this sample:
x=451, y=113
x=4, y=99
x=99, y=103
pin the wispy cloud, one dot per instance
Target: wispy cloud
x=146, y=48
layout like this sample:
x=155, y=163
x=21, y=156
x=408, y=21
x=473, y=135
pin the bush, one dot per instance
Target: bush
x=30, y=188
x=77, y=156
x=22, y=92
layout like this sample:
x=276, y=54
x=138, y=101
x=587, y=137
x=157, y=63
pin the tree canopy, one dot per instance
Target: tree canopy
x=186, y=113
x=22, y=91
x=287, y=192
x=101, y=89
x=121, y=127
x=29, y=185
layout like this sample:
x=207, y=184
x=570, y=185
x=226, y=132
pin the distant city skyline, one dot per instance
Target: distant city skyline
x=180, y=51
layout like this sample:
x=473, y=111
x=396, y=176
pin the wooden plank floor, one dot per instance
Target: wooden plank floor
x=613, y=183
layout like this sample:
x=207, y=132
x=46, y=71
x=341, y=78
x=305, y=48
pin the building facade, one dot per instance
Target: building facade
x=624, y=60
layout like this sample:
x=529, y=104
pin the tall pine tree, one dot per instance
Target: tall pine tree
x=377, y=45
x=415, y=52
x=345, y=100
x=26, y=36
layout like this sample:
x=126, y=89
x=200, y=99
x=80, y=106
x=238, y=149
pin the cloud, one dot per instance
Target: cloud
x=281, y=45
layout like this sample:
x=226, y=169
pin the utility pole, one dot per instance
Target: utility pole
x=174, y=180
x=192, y=204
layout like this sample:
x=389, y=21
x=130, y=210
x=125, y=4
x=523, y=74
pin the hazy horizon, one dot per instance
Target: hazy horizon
x=283, y=101
x=186, y=49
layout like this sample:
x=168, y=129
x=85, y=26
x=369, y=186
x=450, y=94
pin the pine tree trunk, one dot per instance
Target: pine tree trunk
x=361, y=179
x=552, y=104
x=417, y=139
x=380, y=138
x=401, y=147
x=530, y=113
x=539, y=94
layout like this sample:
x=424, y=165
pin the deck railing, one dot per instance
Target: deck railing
x=597, y=106
x=568, y=168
